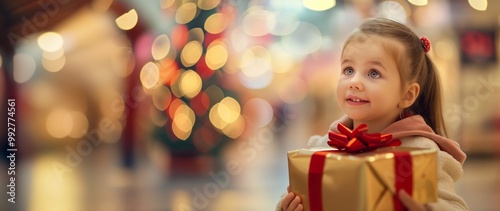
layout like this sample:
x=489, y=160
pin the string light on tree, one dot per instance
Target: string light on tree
x=200, y=115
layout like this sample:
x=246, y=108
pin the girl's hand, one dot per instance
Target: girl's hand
x=411, y=204
x=291, y=202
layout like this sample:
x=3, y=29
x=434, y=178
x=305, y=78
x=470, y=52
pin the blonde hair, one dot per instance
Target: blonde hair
x=414, y=66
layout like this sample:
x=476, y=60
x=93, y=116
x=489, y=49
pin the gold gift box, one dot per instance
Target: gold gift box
x=364, y=181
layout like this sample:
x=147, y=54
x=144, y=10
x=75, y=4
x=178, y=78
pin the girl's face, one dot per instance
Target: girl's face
x=369, y=87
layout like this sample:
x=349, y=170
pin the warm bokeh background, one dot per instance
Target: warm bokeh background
x=192, y=104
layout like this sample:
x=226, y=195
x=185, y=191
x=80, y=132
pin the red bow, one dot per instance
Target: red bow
x=357, y=140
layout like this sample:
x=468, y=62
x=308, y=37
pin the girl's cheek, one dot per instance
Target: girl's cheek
x=343, y=83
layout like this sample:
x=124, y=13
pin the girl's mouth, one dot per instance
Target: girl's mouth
x=356, y=101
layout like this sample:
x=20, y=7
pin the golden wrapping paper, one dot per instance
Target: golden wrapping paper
x=364, y=181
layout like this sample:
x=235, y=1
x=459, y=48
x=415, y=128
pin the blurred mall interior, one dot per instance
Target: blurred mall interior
x=192, y=104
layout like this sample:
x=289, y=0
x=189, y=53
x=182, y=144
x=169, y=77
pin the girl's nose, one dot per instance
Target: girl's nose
x=356, y=83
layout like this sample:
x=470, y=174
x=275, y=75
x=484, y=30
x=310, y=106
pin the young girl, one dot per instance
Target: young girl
x=389, y=83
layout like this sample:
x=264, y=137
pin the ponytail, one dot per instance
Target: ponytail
x=429, y=103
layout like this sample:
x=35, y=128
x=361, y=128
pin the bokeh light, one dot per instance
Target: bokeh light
x=175, y=87
x=172, y=108
x=128, y=20
x=80, y=124
x=229, y=109
x=234, y=129
x=186, y=13
x=161, y=47
x=183, y=122
x=190, y=83
x=53, y=55
x=480, y=5
x=418, y=2
x=162, y=97
x=319, y=5
x=216, y=23
x=54, y=65
x=50, y=41
x=59, y=123
x=202, y=68
x=164, y=4
x=169, y=71
x=191, y=53
x=392, y=10
x=215, y=117
x=24, y=67
x=255, y=61
x=208, y=4
x=258, y=22
x=149, y=75
x=217, y=55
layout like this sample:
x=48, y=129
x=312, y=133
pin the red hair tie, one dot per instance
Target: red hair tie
x=426, y=43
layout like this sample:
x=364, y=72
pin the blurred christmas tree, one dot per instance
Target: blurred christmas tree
x=201, y=114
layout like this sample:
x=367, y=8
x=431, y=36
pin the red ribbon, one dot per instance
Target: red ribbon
x=315, y=179
x=403, y=167
x=357, y=140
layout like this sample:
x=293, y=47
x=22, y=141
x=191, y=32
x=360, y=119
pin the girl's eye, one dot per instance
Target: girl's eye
x=348, y=71
x=374, y=74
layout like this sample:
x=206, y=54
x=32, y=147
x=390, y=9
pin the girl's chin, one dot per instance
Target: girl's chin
x=359, y=121
x=356, y=117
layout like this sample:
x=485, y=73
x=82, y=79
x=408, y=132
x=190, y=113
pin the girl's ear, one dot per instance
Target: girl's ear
x=410, y=95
